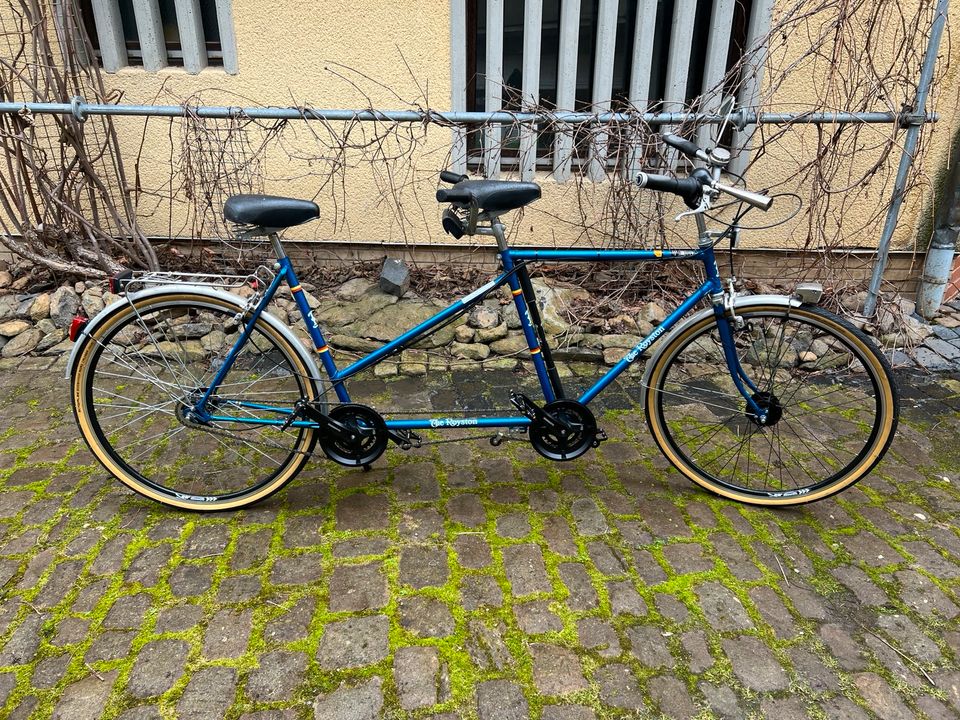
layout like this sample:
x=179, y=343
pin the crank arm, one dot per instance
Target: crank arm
x=406, y=439
x=330, y=427
x=534, y=412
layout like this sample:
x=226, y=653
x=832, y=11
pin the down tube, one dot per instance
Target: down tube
x=649, y=340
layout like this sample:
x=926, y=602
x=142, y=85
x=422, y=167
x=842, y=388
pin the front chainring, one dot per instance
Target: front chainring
x=369, y=439
x=560, y=443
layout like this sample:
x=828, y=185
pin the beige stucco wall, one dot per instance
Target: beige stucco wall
x=368, y=53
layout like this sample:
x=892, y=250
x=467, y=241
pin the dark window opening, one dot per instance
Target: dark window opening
x=513, y=30
x=171, y=31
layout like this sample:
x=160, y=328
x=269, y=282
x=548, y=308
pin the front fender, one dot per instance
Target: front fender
x=738, y=302
x=161, y=290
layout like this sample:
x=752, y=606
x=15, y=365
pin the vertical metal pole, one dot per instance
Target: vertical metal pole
x=458, y=82
x=906, y=159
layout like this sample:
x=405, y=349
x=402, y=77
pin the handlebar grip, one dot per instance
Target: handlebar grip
x=688, y=188
x=451, y=177
x=690, y=149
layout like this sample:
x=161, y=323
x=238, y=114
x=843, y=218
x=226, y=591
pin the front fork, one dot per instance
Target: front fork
x=728, y=321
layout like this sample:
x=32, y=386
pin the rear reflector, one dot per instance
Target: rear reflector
x=76, y=327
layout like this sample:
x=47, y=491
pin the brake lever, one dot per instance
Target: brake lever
x=702, y=208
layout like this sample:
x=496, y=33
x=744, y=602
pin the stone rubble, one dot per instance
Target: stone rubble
x=361, y=315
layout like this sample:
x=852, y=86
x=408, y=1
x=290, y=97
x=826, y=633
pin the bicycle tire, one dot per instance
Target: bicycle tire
x=840, y=426
x=139, y=368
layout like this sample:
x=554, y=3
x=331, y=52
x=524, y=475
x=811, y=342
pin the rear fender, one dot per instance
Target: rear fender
x=162, y=290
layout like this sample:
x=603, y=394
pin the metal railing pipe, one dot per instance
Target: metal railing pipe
x=82, y=109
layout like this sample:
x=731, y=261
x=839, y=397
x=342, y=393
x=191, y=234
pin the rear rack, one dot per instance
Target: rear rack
x=130, y=280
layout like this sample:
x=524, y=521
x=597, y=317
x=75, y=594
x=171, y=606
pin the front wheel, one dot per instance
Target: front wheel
x=142, y=370
x=830, y=400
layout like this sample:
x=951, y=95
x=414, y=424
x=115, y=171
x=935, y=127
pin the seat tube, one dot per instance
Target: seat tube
x=547, y=385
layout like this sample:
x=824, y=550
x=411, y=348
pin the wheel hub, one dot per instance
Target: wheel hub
x=768, y=404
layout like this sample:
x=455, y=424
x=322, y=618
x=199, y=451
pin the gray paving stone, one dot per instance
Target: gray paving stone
x=695, y=645
x=944, y=349
x=513, y=525
x=535, y=617
x=279, y=674
x=110, y=645
x=576, y=579
x=587, y=516
x=722, y=701
x=687, y=558
x=190, y=580
x=606, y=558
x=302, y=569
x=556, y=533
x=293, y=623
x=722, y=608
x=415, y=671
x=354, y=642
x=359, y=702
x=754, y=664
x=127, y=612
x=24, y=642
x=556, y=670
x=525, y=569
x=619, y=688
x=360, y=546
x=85, y=698
x=486, y=645
x=420, y=524
x=774, y=612
x=881, y=698
x=567, y=712
x=672, y=697
x=209, y=693
x=416, y=482
x=599, y=636
x=624, y=598
x=649, y=646
x=472, y=550
x=480, y=590
x=227, y=634
x=358, y=587
x=48, y=672
x=178, y=618
x=157, y=668
x=363, y=512
x=422, y=567
x=467, y=509
x=501, y=700
x=425, y=617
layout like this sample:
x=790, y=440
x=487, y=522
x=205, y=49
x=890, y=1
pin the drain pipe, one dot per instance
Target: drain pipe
x=915, y=123
x=939, y=262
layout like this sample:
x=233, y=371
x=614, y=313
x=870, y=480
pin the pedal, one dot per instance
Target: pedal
x=405, y=439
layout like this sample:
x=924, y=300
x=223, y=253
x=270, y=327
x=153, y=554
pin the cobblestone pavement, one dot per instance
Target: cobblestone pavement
x=463, y=580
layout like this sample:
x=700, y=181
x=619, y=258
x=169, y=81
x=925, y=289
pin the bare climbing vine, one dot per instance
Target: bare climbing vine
x=73, y=200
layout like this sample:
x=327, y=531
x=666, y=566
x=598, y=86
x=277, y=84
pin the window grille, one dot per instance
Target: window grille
x=154, y=34
x=592, y=55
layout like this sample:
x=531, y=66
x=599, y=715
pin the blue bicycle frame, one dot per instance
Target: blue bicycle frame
x=513, y=262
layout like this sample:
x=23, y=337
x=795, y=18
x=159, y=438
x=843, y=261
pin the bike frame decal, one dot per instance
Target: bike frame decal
x=511, y=259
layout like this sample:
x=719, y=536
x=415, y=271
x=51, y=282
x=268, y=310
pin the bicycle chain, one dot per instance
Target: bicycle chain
x=423, y=443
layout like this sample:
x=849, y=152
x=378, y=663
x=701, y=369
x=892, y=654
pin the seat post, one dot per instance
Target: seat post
x=277, y=246
x=499, y=232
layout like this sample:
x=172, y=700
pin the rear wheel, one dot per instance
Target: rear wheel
x=830, y=401
x=142, y=370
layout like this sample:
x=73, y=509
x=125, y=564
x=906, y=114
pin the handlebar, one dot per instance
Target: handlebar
x=451, y=177
x=689, y=188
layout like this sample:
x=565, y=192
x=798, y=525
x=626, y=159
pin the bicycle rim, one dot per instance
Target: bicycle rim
x=143, y=368
x=829, y=394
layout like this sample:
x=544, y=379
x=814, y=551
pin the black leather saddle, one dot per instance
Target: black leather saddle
x=494, y=196
x=269, y=211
